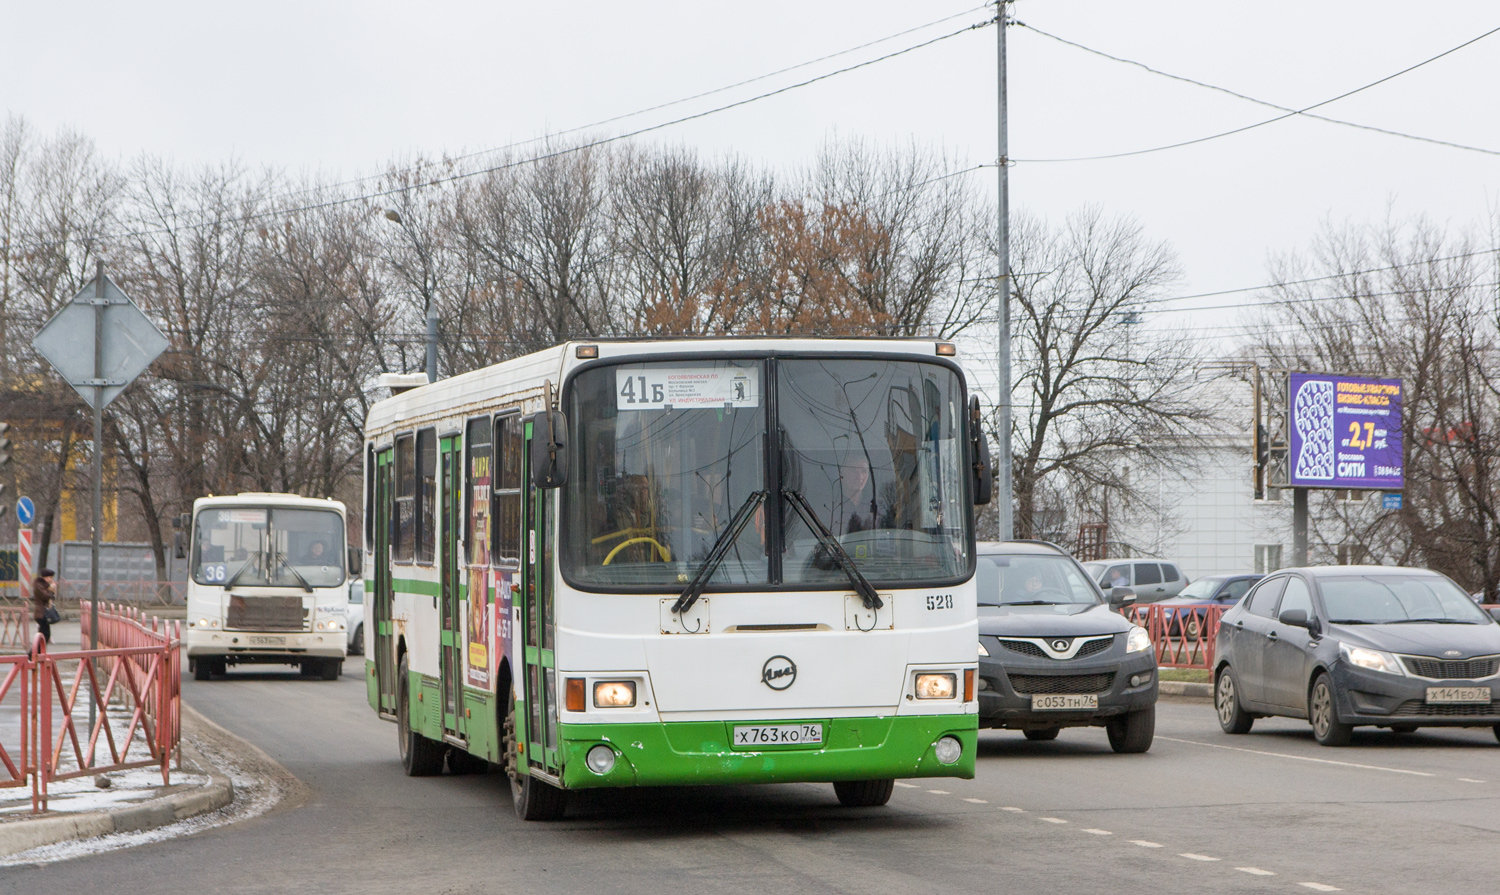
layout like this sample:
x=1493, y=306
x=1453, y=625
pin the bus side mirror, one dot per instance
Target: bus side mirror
x=984, y=466
x=549, y=449
x=180, y=521
x=356, y=561
x=179, y=545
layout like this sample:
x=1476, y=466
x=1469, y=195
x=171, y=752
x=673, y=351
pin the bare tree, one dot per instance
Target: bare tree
x=1088, y=390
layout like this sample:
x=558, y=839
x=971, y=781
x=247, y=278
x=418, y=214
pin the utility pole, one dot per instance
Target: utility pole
x=1002, y=398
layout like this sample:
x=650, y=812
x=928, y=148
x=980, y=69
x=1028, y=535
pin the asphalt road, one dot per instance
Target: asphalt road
x=1201, y=812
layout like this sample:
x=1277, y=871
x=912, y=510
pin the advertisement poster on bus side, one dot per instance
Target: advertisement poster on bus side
x=507, y=586
x=1345, y=431
x=479, y=628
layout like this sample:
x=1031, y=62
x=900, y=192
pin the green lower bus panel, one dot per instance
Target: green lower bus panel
x=689, y=753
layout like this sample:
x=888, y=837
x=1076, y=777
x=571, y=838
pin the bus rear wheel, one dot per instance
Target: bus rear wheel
x=534, y=799
x=420, y=757
x=864, y=793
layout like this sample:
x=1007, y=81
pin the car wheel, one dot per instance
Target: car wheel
x=1194, y=627
x=864, y=793
x=534, y=799
x=420, y=757
x=332, y=669
x=1133, y=731
x=1232, y=716
x=1046, y=733
x=203, y=669
x=1323, y=713
x=357, y=646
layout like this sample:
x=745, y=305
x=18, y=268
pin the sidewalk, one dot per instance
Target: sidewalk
x=117, y=802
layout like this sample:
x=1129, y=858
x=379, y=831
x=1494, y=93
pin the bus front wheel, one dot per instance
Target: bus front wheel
x=864, y=793
x=535, y=799
x=420, y=757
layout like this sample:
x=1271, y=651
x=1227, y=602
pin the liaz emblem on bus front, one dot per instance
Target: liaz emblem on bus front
x=778, y=673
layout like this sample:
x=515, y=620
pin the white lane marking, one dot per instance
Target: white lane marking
x=1345, y=764
x=1052, y=820
x=1470, y=780
x=1145, y=843
x=1255, y=871
x=1320, y=887
x=977, y=801
x=907, y=785
x=1099, y=832
x=1016, y=810
x=1194, y=857
x=939, y=792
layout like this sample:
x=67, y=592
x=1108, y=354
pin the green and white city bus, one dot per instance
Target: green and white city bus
x=267, y=583
x=680, y=562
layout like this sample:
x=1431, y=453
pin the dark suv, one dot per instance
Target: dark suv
x=1054, y=651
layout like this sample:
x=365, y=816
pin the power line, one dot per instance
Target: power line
x=1261, y=102
x=1289, y=114
x=581, y=147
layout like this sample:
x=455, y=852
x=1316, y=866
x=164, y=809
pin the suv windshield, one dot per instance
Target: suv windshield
x=1395, y=599
x=268, y=546
x=1031, y=579
x=666, y=452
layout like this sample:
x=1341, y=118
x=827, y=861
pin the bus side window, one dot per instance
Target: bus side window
x=508, y=482
x=426, y=496
x=403, y=508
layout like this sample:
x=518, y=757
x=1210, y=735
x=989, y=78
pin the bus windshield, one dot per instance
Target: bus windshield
x=665, y=453
x=268, y=546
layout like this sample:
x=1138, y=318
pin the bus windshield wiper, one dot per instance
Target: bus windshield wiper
x=237, y=573
x=718, y=551
x=835, y=549
x=281, y=558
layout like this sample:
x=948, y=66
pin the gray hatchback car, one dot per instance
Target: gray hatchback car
x=1054, y=651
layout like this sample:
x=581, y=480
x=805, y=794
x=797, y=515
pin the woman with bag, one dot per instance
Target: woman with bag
x=42, y=610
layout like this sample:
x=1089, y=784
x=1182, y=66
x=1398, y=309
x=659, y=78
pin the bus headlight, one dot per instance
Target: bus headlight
x=601, y=759
x=948, y=750
x=936, y=686
x=331, y=624
x=613, y=695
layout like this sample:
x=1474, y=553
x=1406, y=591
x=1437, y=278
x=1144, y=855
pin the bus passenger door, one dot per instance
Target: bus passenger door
x=385, y=649
x=540, y=675
x=450, y=507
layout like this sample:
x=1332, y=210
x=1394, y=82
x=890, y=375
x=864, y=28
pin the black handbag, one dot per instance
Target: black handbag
x=52, y=616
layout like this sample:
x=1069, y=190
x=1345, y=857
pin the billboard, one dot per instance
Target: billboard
x=1345, y=431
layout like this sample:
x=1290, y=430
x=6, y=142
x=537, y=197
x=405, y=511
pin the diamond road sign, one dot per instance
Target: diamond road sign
x=129, y=342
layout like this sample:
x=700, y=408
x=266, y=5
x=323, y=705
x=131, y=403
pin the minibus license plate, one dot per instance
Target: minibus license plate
x=267, y=641
x=778, y=734
x=1063, y=701
x=1450, y=695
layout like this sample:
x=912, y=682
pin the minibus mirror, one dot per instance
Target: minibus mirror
x=180, y=521
x=179, y=545
x=356, y=561
x=549, y=449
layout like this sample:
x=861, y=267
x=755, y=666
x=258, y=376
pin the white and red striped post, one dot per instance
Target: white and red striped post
x=26, y=562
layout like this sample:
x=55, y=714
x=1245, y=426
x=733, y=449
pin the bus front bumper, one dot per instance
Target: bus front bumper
x=252, y=646
x=701, y=752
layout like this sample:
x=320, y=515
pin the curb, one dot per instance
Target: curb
x=23, y=835
x=1186, y=690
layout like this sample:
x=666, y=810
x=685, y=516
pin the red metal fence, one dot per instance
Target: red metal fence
x=1183, y=636
x=15, y=627
x=132, y=682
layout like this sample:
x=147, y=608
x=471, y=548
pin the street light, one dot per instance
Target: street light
x=394, y=217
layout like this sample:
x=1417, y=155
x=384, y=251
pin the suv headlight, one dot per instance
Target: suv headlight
x=1370, y=659
x=1137, y=640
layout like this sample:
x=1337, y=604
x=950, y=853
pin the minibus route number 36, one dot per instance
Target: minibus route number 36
x=649, y=563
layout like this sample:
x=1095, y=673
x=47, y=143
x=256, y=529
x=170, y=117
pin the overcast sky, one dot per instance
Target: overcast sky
x=344, y=86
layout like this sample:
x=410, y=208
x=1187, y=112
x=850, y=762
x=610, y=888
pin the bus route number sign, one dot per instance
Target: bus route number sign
x=687, y=388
